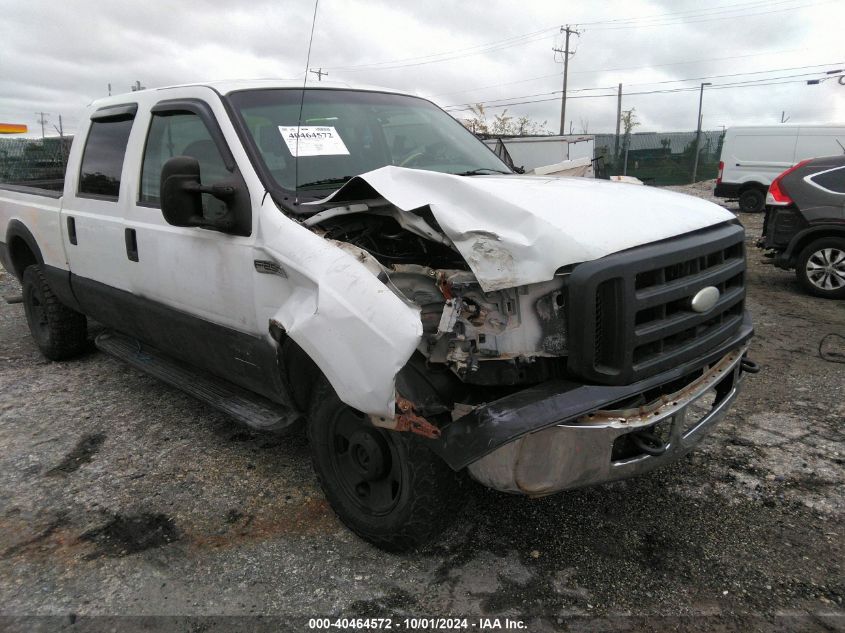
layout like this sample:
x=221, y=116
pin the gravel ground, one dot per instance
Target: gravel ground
x=122, y=496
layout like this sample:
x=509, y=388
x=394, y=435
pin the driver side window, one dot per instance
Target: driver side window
x=181, y=134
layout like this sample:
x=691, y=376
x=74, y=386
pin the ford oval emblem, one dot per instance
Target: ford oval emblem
x=705, y=299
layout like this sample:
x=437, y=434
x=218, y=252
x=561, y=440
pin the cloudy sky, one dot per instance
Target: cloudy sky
x=57, y=57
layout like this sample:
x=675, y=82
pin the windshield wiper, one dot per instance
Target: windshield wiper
x=326, y=181
x=481, y=172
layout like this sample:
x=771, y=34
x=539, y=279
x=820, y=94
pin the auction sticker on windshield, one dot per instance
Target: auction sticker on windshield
x=314, y=140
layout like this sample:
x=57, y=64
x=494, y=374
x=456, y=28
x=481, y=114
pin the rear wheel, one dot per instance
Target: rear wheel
x=821, y=268
x=387, y=487
x=59, y=332
x=752, y=201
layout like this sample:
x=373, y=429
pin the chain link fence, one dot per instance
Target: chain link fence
x=34, y=162
x=661, y=158
x=658, y=158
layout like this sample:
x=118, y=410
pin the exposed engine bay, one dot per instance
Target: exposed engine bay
x=502, y=337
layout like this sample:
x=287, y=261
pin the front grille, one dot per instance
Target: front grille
x=631, y=313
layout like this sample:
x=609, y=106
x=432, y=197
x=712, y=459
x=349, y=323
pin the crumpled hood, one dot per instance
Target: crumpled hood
x=514, y=230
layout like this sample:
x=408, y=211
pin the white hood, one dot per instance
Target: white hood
x=516, y=230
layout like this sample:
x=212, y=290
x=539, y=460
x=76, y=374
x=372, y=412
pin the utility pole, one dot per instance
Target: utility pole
x=319, y=72
x=698, y=132
x=59, y=128
x=783, y=117
x=109, y=89
x=42, y=119
x=618, y=122
x=569, y=31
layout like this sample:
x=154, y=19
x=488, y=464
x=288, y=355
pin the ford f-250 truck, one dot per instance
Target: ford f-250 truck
x=356, y=259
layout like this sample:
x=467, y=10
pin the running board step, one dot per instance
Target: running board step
x=246, y=407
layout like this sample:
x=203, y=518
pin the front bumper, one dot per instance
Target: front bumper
x=581, y=453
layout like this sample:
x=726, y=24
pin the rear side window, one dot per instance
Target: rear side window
x=181, y=134
x=102, y=160
x=833, y=180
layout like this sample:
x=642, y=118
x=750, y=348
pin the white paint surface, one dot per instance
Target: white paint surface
x=516, y=230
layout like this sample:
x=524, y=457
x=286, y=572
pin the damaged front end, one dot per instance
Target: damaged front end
x=562, y=377
x=485, y=338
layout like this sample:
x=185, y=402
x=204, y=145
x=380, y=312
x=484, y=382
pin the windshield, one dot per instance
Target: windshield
x=345, y=133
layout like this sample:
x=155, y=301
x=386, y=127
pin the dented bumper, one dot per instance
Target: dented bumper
x=581, y=453
x=560, y=435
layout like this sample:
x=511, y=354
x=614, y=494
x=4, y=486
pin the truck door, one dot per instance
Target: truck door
x=92, y=215
x=196, y=283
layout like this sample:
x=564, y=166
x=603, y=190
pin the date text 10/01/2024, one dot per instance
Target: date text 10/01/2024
x=417, y=624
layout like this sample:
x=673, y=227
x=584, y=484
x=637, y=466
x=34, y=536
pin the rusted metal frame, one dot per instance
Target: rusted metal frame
x=409, y=421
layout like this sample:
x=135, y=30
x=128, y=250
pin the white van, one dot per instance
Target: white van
x=754, y=156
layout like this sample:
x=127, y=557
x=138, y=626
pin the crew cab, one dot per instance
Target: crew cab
x=355, y=260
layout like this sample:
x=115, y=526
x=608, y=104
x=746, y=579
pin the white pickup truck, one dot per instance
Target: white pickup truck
x=357, y=260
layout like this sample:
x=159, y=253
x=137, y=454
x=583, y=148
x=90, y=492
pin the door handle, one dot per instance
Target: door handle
x=131, y=244
x=71, y=230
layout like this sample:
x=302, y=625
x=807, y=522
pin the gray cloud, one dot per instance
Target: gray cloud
x=57, y=57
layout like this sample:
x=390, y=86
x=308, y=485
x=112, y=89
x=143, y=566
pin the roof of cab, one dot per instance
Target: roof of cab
x=227, y=86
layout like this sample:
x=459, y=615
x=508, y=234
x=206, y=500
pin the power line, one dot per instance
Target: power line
x=536, y=94
x=688, y=12
x=694, y=61
x=696, y=15
x=755, y=72
x=686, y=20
x=526, y=38
x=534, y=36
x=600, y=70
x=751, y=72
x=768, y=81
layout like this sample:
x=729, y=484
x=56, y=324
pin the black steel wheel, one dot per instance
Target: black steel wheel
x=59, y=331
x=365, y=462
x=752, y=200
x=387, y=487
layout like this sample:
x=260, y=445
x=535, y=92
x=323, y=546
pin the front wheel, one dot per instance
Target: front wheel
x=387, y=487
x=821, y=268
x=59, y=331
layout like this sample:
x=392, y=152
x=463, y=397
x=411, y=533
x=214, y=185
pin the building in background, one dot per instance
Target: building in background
x=13, y=128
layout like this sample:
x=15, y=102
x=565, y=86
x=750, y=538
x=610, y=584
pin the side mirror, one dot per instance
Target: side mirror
x=181, y=195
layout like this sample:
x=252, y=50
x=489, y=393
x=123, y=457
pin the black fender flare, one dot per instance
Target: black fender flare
x=18, y=230
x=804, y=237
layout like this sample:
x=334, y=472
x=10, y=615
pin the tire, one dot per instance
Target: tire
x=59, y=332
x=387, y=487
x=821, y=268
x=752, y=200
